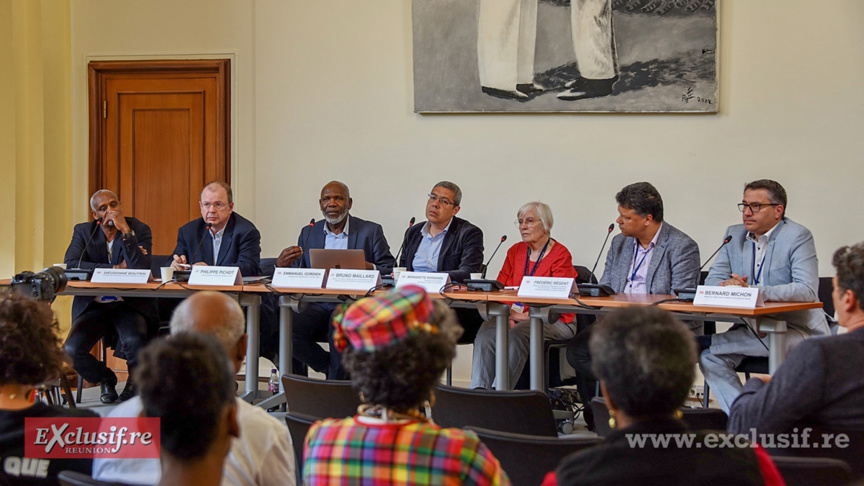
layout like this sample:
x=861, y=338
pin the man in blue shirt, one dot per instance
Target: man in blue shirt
x=446, y=243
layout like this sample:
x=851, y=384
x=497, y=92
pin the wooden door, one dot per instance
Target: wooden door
x=159, y=131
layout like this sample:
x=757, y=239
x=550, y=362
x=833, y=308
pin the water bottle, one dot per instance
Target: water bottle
x=273, y=383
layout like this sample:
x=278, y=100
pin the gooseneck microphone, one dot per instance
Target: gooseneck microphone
x=608, y=232
x=689, y=294
x=597, y=290
x=206, y=230
x=486, y=265
x=482, y=284
x=725, y=242
x=79, y=273
x=404, y=237
x=306, y=243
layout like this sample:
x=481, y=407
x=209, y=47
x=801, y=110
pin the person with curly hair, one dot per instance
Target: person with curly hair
x=30, y=355
x=396, y=346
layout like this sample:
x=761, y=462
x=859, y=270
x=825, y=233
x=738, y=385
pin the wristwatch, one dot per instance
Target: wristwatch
x=127, y=235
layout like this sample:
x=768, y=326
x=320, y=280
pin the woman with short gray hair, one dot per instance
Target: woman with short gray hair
x=645, y=360
x=539, y=255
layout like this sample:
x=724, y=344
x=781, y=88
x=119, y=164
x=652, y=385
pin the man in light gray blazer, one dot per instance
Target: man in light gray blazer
x=650, y=256
x=776, y=255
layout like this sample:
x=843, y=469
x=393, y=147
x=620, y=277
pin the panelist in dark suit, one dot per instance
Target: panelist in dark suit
x=233, y=238
x=337, y=230
x=649, y=256
x=119, y=242
x=445, y=243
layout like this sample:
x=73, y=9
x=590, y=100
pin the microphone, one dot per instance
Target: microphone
x=689, y=294
x=486, y=265
x=206, y=229
x=597, y=290
x=306, y=242
x=79, y=273
x=410, y=224
x=482, y=284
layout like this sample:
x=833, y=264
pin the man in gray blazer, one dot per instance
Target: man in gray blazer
x=650, y=256
x=778, y=256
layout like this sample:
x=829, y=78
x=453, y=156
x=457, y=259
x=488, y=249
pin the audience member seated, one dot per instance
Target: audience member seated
x=30, y=355
x=396, y=347
x=820, y=384
x=536, y=255
x=645, y=360
x=187, y=382
x=263, y=455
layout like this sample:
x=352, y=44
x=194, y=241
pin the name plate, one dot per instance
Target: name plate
x=299, y=278
x=551, y=287
x=207, y=275
x=120, y=275
x=345, y=279
x=740, y=297
x=430, y=281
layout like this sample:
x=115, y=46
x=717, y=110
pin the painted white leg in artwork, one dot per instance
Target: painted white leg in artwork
x=593, y=38
x=506, y=37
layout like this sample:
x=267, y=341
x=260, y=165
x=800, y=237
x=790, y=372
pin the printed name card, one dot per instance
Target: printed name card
x=430, y=281
x=345, y=279
x=740, y=297
x=299, y=278
x=120, y=275
x=551, y=287
x=207, y=275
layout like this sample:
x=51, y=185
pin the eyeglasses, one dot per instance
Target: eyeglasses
x=529, y=222
x=218, y=205
x=754, y=207
x=443, y=201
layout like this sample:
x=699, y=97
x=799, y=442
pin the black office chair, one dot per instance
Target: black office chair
x=298, y=427
x=527, y=458
x=72, y=478
x=806, y=471
x=320, y=398
x=695, y=418
x=852, y=454
x=522, y=412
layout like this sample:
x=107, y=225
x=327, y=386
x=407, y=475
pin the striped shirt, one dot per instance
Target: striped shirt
x=349, y=451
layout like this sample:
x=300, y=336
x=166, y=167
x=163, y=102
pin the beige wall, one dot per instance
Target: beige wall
x=323, y=90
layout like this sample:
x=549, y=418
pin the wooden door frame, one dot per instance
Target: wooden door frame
x=96, y=74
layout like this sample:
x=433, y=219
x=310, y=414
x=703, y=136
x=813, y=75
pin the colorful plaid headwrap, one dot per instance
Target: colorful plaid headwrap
x=377, y=322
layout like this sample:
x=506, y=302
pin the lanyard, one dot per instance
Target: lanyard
x=761, y=265
x=638, y=265
x=528, y=256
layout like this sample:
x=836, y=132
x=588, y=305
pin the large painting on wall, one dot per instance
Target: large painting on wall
x=565, y=56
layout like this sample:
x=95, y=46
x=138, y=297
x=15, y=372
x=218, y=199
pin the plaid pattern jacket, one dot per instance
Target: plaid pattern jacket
x=349, y=452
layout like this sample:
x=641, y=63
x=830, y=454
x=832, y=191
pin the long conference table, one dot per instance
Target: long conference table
x=492, y=305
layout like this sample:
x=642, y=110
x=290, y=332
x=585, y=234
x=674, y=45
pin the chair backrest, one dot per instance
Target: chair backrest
x=73, y=478
x=852, y=451
x=584, y=275
x=159, y=261
x=320, y=398
x=695, y=418
x=298, y=427
x=804, y=471
x=267, y=266
x=522, y=412
x=527, y=458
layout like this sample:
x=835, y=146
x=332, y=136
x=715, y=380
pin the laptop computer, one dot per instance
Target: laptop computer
x=350, y=259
